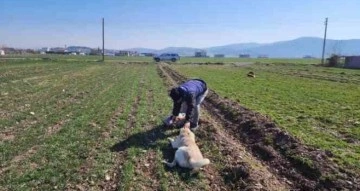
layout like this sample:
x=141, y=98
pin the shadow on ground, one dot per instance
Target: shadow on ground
x=151, y=139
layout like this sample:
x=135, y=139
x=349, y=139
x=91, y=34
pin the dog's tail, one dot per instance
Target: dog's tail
x=199, y=163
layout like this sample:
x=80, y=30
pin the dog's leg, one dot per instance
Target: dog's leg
x=172, y=164
x=171, y=140
x=175, y=143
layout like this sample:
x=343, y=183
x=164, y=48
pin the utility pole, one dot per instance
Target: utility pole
x=103, y=41
x=323, y=50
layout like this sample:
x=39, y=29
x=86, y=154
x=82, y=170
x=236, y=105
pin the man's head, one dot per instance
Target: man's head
x=175, y=94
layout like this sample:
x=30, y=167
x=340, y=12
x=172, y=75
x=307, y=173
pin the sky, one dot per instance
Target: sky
x=172, y=23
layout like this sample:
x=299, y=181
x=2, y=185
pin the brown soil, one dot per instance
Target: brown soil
x=19, y=158
x=4, y=114
x=145, y=167
x=56, y=128
x=238, y=169
x=300, y=166
x=85, y=168
x=6, y=136
x=114, y=180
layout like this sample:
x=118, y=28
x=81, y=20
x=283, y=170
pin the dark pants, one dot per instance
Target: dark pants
x=195, y=119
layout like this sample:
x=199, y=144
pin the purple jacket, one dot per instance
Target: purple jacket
x=189, y=92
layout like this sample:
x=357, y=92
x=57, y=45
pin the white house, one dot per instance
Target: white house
x=2, y=52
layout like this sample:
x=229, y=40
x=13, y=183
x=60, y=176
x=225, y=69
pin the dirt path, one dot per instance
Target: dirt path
x=270, y=158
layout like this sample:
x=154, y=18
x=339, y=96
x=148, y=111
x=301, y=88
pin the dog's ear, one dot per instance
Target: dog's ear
x=186, y=131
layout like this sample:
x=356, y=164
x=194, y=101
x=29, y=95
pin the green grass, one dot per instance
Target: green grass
x=103, y=87
x=82, y=108
x=318, y=105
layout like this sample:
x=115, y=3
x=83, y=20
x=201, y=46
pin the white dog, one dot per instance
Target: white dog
x=188, y=154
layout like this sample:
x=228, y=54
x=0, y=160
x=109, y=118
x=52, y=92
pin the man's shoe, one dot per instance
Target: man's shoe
x=168, y=121
x=194, y=128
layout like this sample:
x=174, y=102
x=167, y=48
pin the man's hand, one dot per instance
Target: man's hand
x=174, y=119
x=187, y=125
x=177, y=118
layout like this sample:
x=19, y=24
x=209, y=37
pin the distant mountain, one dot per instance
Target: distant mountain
x=307, y=46
x=183, y=51
x=299, y=47
x=186, y=51
x=142, y=50
x=232, y=49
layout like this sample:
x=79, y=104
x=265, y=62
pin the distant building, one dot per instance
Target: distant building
x=95, y=51
x=126, y=53
x=8, y=50
x=44, y=49
x=109, y=54
x=244, y=55
x=352, y=62
x=29, y=51
x=308, y=57
x=219, y=56
x=263, y=56
x=147, y=54
x=56, y=50
x=2, y=53
x=201, y=53
x=78, y=49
